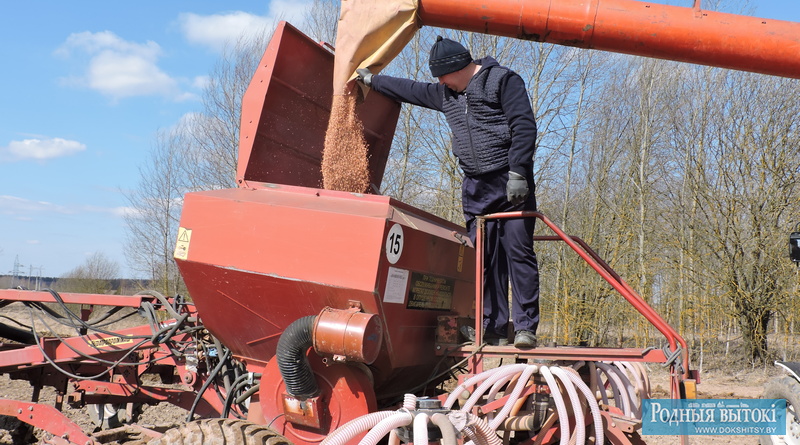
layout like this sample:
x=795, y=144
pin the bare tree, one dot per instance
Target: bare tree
x=94, y=276
x=749, y=193
x=153, y=226
x=322, y=20
x=212, y=136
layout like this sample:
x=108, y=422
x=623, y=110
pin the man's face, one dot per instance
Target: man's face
x=456, y=81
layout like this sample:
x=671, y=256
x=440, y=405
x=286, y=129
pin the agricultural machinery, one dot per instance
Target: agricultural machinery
x=322, y=316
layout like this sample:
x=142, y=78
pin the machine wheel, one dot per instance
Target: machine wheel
x=785, y=388
x=107, y=415
x=221, y=432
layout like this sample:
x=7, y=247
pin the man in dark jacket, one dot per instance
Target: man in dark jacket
x=493, y=136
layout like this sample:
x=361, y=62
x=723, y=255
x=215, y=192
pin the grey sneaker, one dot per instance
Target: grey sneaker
x=491, y=338
x=525, y=340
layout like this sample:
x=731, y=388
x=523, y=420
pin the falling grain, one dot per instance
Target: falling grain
x=344, y=160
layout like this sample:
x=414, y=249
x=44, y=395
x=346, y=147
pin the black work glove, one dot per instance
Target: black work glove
x=364, y=76
x=516, y=188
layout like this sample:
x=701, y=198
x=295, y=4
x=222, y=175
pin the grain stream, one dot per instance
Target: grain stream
x=345, y=166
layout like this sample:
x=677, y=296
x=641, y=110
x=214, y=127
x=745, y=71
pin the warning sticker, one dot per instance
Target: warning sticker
x=182, y=245
x=110, y=341
x=430, y=292
x=396, y=285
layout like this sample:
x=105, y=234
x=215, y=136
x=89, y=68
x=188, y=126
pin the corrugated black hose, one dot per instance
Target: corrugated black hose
x=292, y=361
x=16, y=334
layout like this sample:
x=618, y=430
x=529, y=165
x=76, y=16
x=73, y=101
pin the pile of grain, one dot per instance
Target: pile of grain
x=344, y=160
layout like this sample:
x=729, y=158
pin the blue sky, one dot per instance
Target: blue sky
x=86, y=85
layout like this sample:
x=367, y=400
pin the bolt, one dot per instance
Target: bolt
x=30, y=408
x=19, y=411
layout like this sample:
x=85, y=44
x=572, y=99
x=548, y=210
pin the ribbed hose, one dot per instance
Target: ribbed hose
x=504, y=372
x=515, y=393
x=345, y=433
x=561, y=408
x=420, y=428
x=645, y=378
x=410, y=402
x=469, y=382
x=637, y=386
x=577, y=410
x=479, y=432
x=292, y=361
x=446, y=427
x=17, y=335
x=385, y=426
x=621, y=399
x=588, y=394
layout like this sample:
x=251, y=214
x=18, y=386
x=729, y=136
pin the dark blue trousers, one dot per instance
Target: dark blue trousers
x=508, y=254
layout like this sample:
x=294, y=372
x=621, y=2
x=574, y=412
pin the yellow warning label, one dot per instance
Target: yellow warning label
x=182, y=245
x=110, y=341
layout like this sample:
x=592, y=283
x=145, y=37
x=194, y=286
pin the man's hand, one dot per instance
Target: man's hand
x=364, y=76
x=516, y=188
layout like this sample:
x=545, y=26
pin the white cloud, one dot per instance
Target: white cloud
x=125, y=75
x=200, y=82
x=122, y=212
x=218, y=30
x=40, y=149
x=292, y=11
x=22, y=209
x=118, y=68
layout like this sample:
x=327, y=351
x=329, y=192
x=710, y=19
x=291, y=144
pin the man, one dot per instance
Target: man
x=493, y=136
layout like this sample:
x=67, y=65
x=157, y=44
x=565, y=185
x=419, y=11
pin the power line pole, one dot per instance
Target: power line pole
x=17, y=272
x=39, y=277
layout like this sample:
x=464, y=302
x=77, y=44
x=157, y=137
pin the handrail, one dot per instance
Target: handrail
x=580, y=247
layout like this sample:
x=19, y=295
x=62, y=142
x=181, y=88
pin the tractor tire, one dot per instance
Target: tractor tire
x=221, y=432
x=785, y=388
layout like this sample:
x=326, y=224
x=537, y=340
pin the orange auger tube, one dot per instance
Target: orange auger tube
x=686, y=34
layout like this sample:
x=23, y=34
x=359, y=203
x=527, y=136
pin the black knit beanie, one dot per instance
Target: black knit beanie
x=448, y=56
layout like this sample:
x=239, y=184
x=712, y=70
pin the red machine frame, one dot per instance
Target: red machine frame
x=65, y=362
